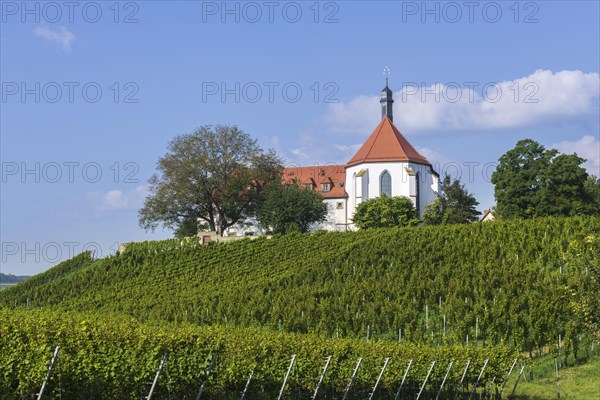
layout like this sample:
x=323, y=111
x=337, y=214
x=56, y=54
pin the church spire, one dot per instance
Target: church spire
x=386, y=98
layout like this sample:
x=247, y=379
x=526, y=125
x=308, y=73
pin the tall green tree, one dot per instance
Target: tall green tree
x=518, y=178
x=433, y=213
x=563, y=191
x=533, y=181
x=289, y=207
x=455, y=205
x=214, y=175
x=385, y=212
x=592, y=189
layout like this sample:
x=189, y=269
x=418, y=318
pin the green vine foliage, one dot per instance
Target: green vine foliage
x=505, y=282
x=110, y=356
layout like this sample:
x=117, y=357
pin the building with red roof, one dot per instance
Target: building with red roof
x=386, y=164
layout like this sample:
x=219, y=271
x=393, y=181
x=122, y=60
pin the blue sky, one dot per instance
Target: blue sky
x=93, y=92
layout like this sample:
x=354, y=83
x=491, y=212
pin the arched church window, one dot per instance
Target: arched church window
x=385, y=184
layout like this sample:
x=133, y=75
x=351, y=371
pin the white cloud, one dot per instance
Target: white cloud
x=118, y=199
x=434, y=157
x=300, y=153
x=587, y=147
x=536, y=98
x=62, y=36
x=312, y=149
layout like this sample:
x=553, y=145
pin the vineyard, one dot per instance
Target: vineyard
x=511, y=282
x=113, y=357
x=463, y=293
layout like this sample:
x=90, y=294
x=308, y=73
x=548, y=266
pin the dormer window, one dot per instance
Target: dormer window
x=325, y=187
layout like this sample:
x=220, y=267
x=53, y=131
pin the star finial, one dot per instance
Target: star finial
x=386, y=73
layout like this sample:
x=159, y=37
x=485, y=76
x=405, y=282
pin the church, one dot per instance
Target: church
x=386, y=164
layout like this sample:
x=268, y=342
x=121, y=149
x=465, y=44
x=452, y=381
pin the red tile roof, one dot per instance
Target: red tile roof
x=386, y=143
x=334, y=175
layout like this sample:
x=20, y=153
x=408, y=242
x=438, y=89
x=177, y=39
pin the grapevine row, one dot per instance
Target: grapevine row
x=114, y=356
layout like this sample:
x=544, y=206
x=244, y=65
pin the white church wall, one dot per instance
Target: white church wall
x=401, y=183
x=336, y=215
x=428, y=185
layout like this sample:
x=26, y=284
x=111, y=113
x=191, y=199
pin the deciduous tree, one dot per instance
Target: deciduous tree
x=214, y=175
x=532, y=181
x=455, y=205
x=517, y=179
x=288, y=207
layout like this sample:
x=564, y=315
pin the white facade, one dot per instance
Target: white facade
x=337, y=215
x=415, y=181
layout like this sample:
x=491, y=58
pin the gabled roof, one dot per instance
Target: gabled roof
x=386, y=143
x=488, y=215
x=316, y=175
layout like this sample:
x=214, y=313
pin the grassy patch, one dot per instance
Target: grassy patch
x=576, y=382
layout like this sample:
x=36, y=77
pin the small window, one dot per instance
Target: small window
x=308, y=186
x=325, y=187
x=339, y=205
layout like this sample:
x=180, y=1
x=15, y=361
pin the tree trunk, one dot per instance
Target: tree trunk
x=222, y=223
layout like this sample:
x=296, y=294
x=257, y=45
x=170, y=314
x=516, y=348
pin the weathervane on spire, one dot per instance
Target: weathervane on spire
x=386, y=73
x=386, y=97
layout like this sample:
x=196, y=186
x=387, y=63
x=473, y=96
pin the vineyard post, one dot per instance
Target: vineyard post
x=463, y=375
x=444, y=380
x=507, y=375
x=425, y=381
x=321, y=378
x=162, y=362
x=478, y=378
x=400, y=335
x=247, y=385
x=559, y=343
x=476, y=330
x=287, y=375
x=517, y=382
x=368, y=331
x=208, y=371
x=385, y=363
x=52, y=361
x=444, y=325
x=426, y=317
x=403, y=379
x=352, y=378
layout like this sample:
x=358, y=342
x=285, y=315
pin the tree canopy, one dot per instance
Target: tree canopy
x=385, y=212
x=455, y=205
x=532, y=181
x=214, y=175
x=288, y=207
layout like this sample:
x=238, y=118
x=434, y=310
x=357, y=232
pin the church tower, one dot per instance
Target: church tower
x=386, y=102
x=387, y=164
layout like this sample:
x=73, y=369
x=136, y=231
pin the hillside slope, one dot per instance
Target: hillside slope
x=504, y=281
